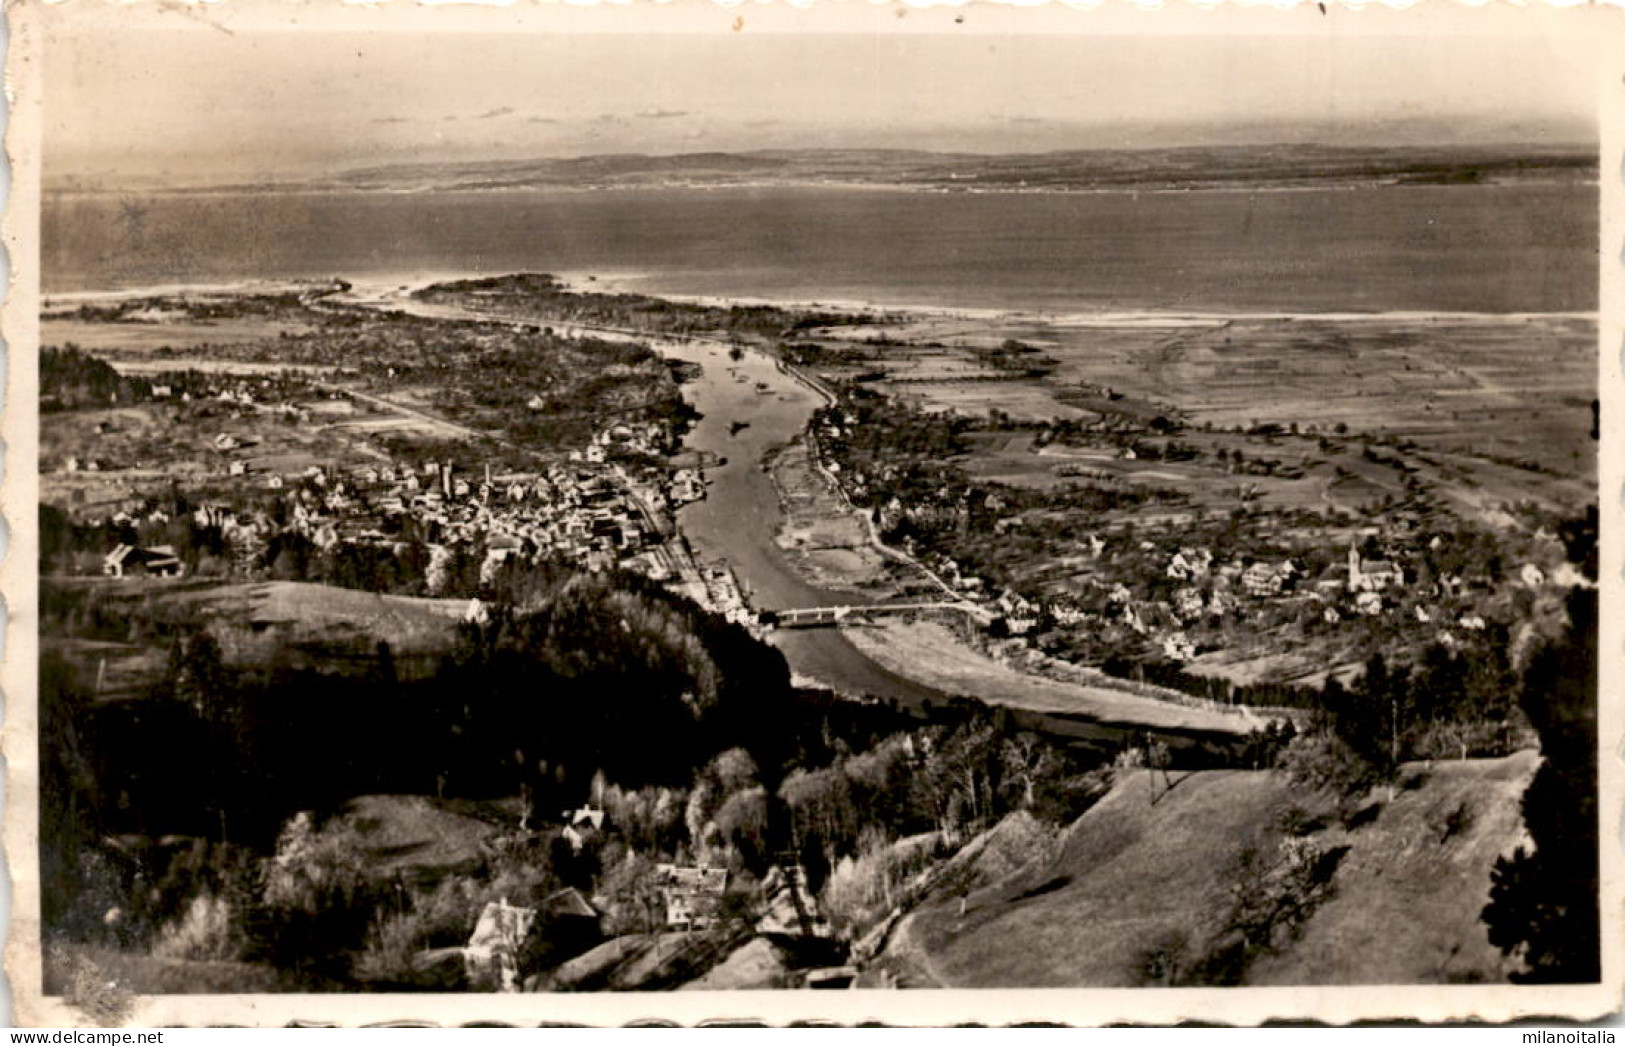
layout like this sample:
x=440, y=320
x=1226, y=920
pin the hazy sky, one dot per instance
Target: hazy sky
x=180, y=99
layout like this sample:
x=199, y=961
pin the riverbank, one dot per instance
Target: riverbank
x=931, y=653
x=825, y=540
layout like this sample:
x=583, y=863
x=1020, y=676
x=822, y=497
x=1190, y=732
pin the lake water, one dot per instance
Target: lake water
x=740, y=515
x=1472, y=248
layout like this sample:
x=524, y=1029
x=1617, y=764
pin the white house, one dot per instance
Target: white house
x=1372, y=575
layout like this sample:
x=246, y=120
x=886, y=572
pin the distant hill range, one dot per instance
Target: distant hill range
x=1074, y=170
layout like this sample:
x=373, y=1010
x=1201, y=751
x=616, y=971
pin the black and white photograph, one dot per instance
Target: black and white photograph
x=558, y=507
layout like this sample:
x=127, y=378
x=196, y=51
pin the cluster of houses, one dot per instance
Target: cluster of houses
x=591, y=515
x=1194, y=589
x=1262, y=579
x=600, y=506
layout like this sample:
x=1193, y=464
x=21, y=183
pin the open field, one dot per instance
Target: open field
x=1024, y=400
x=1313, y=476
x=151, y=366
x=149, y=339
x=1140, y=890
x=317, y=607
x=1446, y=382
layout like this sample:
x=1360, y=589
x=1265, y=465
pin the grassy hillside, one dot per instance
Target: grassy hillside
x=256, y=622
x=313, y=609
x=1144, y=892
